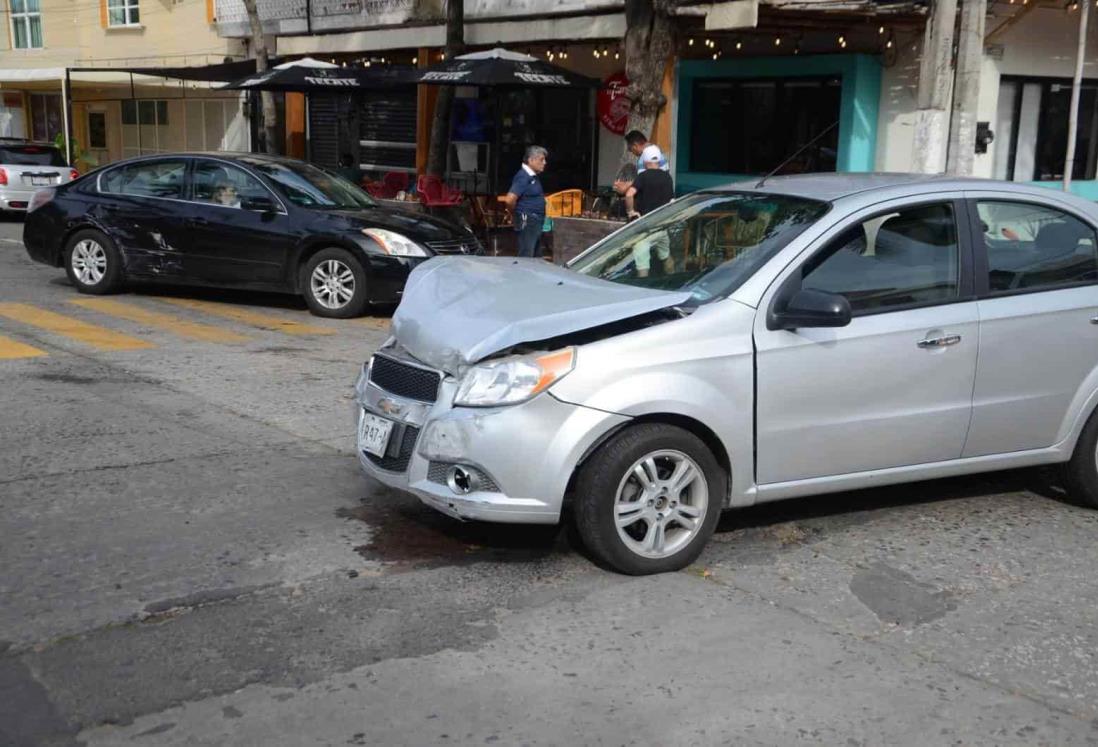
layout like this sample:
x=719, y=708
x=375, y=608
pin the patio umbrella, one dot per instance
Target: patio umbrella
x=501, y=67
x=310, y=76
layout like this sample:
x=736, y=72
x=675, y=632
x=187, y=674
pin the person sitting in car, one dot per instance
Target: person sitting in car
x=225, y=195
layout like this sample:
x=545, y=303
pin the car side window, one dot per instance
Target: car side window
x=1035, y=247
x=220, y=183
x=907, y=257
x=150, y=179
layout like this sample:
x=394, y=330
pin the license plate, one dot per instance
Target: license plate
x=373, y=434
x=41, y=181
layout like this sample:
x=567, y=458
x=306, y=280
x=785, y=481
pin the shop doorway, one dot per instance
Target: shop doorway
x=97, y=148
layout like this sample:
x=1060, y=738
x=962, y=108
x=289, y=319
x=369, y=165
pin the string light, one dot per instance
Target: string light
x=739, y=44
x=777, y=41
x=415, y=60
x=842, y=39
x=617, y=54
x=596, y=52
x=690, y=42
x=881, y=29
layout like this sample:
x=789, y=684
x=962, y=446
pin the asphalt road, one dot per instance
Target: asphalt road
x=190, y=556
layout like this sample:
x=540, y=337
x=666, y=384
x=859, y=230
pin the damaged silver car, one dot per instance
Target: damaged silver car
x=804, y=335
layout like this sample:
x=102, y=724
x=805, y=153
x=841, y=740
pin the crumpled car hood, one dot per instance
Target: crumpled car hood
x=458, y=310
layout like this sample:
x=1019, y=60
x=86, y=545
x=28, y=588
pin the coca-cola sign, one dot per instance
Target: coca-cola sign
x=612, y=104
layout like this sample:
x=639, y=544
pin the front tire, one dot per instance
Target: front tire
x=334, y=284
x=649, y=499
x=93, y=263
x=1081, y=473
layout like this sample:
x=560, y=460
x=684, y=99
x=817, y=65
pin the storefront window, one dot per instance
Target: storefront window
x=750, y=126
x=123, y=13
x=26, y=24
x=145, y=127
x=45, y=116
x=1031, y=140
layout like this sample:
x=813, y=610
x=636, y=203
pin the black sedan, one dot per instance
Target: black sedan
x=234, y=220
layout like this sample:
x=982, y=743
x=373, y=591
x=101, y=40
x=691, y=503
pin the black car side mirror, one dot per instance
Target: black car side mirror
x=808, y=307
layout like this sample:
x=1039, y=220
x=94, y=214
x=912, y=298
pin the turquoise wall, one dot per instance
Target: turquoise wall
x=861, y=93
x=1085, y=189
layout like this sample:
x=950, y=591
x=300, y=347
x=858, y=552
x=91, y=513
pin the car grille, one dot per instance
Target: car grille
x=404, y=380
x=469, y=245
x=399, y=462
x=437, y=473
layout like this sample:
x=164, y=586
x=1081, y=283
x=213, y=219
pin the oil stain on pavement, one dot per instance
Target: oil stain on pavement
x=407, y=535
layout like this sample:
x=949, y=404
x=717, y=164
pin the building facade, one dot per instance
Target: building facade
x=116, y=114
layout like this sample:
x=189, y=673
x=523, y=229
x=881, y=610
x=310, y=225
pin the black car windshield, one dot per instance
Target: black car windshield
x=706, y=243
x=308, y=186
x=31, y=155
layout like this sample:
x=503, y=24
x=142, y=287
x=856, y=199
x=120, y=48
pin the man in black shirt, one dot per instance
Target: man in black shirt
x=651, y=189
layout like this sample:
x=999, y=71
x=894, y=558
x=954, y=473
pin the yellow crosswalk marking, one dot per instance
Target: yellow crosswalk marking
x=75, y=329
x=373, y=321
x=173, y=324
x=256, y=319
x=11, y=349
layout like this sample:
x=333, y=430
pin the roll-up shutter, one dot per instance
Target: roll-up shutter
x=387, y=130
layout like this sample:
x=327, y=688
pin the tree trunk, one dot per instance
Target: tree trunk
x=935, y=75
x=1073, y=113
x=649, y=43
x=440, y=127
x=966, y=90
x=269, y=115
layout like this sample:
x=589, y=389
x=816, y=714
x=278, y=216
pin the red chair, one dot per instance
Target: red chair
x=392, y=184
x=380, y=190
x=433, y=192
x=397, y=181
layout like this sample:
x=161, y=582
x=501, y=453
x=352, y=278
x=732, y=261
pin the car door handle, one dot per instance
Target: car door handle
x=197, y=222
x=1094, y=320
x=939, y=342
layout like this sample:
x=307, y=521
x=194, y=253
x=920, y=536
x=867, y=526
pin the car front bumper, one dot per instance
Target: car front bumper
x=523, y=455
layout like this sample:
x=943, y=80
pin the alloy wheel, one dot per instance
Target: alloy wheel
x=89, y=261
x=661, y=504
x=332, y=284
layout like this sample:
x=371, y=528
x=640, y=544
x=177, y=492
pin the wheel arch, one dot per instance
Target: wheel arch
x=315, y=245
x=85, y=225
x=692, y=425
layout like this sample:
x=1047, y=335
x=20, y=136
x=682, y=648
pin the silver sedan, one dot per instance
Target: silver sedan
x=797, y=336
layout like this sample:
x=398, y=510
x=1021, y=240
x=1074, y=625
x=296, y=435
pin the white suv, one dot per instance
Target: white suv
x=27, y=167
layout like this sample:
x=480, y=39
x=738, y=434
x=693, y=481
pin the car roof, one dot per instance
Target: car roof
x=219, y=154
x=835, y=186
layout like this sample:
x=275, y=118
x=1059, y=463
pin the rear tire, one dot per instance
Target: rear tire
x=93, y=263
x=1081, y=473
x=333, y=282
x=649, y=499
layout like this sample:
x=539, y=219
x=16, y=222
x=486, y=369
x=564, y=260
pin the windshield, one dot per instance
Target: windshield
x=308, y=186
x=31, y=155
x=705, y=243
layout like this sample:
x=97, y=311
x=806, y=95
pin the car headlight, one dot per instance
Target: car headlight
x=513, y=380
x=395, y=244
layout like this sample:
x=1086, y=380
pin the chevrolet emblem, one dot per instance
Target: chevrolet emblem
x=389, y=407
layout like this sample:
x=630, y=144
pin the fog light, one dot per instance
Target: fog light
x=462, y=480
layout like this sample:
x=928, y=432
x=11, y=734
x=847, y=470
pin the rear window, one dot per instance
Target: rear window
x=31, y=155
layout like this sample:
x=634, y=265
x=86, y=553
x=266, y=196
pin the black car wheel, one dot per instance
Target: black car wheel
x=93, y=263
x=334, y=284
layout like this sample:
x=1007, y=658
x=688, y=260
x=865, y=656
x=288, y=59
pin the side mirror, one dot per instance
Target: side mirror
x=809, y=308
x=259, y=204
